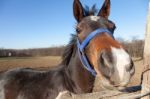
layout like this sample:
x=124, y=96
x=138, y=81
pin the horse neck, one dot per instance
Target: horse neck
x=83, y=80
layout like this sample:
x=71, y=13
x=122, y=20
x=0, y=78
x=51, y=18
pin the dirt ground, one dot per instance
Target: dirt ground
x=47, y=62
x=136, y=79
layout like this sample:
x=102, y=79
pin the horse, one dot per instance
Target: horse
x=92, y=51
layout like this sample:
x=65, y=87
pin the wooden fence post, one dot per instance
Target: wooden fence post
x=146, y=75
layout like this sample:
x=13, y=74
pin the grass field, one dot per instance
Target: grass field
x=32, y=62
x=47, y=62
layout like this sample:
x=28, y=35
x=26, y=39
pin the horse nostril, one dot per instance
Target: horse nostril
x=132, y=71
x=130, y=68
x=105, y=63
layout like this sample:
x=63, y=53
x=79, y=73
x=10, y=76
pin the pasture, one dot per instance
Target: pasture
x=47, y=62
x=31, y=62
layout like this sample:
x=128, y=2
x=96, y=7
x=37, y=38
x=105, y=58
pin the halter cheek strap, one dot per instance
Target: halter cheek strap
x=81, y=47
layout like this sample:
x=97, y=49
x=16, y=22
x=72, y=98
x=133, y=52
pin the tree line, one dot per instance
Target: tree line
x=135, y=49
x=52, y=51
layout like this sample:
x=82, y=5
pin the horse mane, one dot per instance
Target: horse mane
x=69, y=49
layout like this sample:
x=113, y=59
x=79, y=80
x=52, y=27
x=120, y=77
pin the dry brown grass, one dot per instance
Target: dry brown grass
x=47, y=62
x=32, y=62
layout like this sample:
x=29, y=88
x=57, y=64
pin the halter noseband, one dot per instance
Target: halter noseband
x=81, y=47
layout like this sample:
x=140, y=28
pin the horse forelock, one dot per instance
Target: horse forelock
x=90, y=11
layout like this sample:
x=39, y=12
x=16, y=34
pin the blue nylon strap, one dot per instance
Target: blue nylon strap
x=92, y=35
x=81, y=47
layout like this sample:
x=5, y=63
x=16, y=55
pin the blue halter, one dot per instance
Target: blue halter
x=81, y=47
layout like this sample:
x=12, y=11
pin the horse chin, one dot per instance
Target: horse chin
x=107, y=86
x=111, y=87
x=121, y=88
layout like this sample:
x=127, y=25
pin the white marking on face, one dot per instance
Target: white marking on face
x=94, y=18
x=122, y=60
x=2, y=92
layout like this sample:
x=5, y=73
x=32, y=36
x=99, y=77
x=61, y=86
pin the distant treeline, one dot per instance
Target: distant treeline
x=135, y=49
x=52, y=51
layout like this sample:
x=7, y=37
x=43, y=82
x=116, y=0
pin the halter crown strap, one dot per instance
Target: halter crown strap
x=81, y=47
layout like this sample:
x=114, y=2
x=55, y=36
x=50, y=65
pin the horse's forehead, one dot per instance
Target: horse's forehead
x=94, y=19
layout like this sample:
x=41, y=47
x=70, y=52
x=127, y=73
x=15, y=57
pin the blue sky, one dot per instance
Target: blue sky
x=45, y=23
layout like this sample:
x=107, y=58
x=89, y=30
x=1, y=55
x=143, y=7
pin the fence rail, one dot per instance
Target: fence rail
x=133, y=92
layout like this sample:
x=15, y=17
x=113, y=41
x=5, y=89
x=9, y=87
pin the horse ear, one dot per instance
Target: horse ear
x=105, y=10
x=78, y=10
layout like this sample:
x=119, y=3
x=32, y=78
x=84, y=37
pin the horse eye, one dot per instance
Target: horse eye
x=78, y=30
